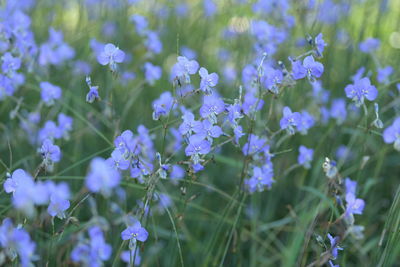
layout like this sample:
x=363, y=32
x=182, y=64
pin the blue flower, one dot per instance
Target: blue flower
x=152, y=73
x=305, y=156
x=134, y=233
x=189, y=124
x=50, y=93
x=320, y=44
x=369, y=45
x=334, y=246
x=51, y=153
x=163, y=105
x=338, y=110
x=212, y=106
x=207, y=80
x=290, y=120
x=110, y=56
x=310, y=68
x=184, y=68
x=360, y=90
x=392, y=134
x=383, y=74
x=102, y=177
x=262, y=178
x=197, y=146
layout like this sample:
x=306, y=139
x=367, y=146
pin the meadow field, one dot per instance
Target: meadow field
x=200, y=133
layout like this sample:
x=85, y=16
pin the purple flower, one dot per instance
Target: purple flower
x=16, y=241
x=361, y=89
x=64, y=124
x=334, y=246
x=141, y=23
x=392, y=134
x=94, y=251
x=238, y=132
x=50, y=152
x=369, y=45
x=234, y=113
x=153, y=43
x=320, y=44
x=207, y=80
x=338, y=110
x=210, y=8
x=111, y=55
x=307, y=121
x=135, y=232
x=58, y=206
x=251, y=103
x=189, y=124
x=184, y=68
x=254, y=145
x=384, y=73
x=102, y=177
x=163, y=105
x=50, y=130
x=212, y=106
x=305, y=156
x=310, y=68
x=10, y=63
x=50, y=93
x=262, y=178
x=152, y=73
x=93, y=93
x=197, y=146
x=359, y=74
x=273, y=77
x=290, y=120
x=354, y=205
x=350, y=186
x=209, y=131
x=119, y=160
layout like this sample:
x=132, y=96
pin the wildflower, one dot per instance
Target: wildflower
x=251, y=104
x=290, y=120
x=310, y=68
x=189, y=124
x=207, y=80
x=361, y=89
x=163, y=105
x=392, y=134
x=16, y=241
x=10, y=63
x=118, y=160
x=369, y=45
x=306, y=122
x=141, y=23
x=184, y=68
x=51, y=153
x=93, y=93
x=152, y=73
x=135, y=232
x=254, y=145
x=320, y=44
x=58, y=206
x=383, y=74
x=64, y=125
x=101, y=177
x=353, y=205
x=261, y=179
x=338, y=110
x=334, y=246
x=212, y=106
x=50, y=93
x=273, y=77
x=305, y=156
x=49, y=131
x=197, y=146
x=153, y=43
x=209, y=131
x=110, y=56
x=94, y=251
